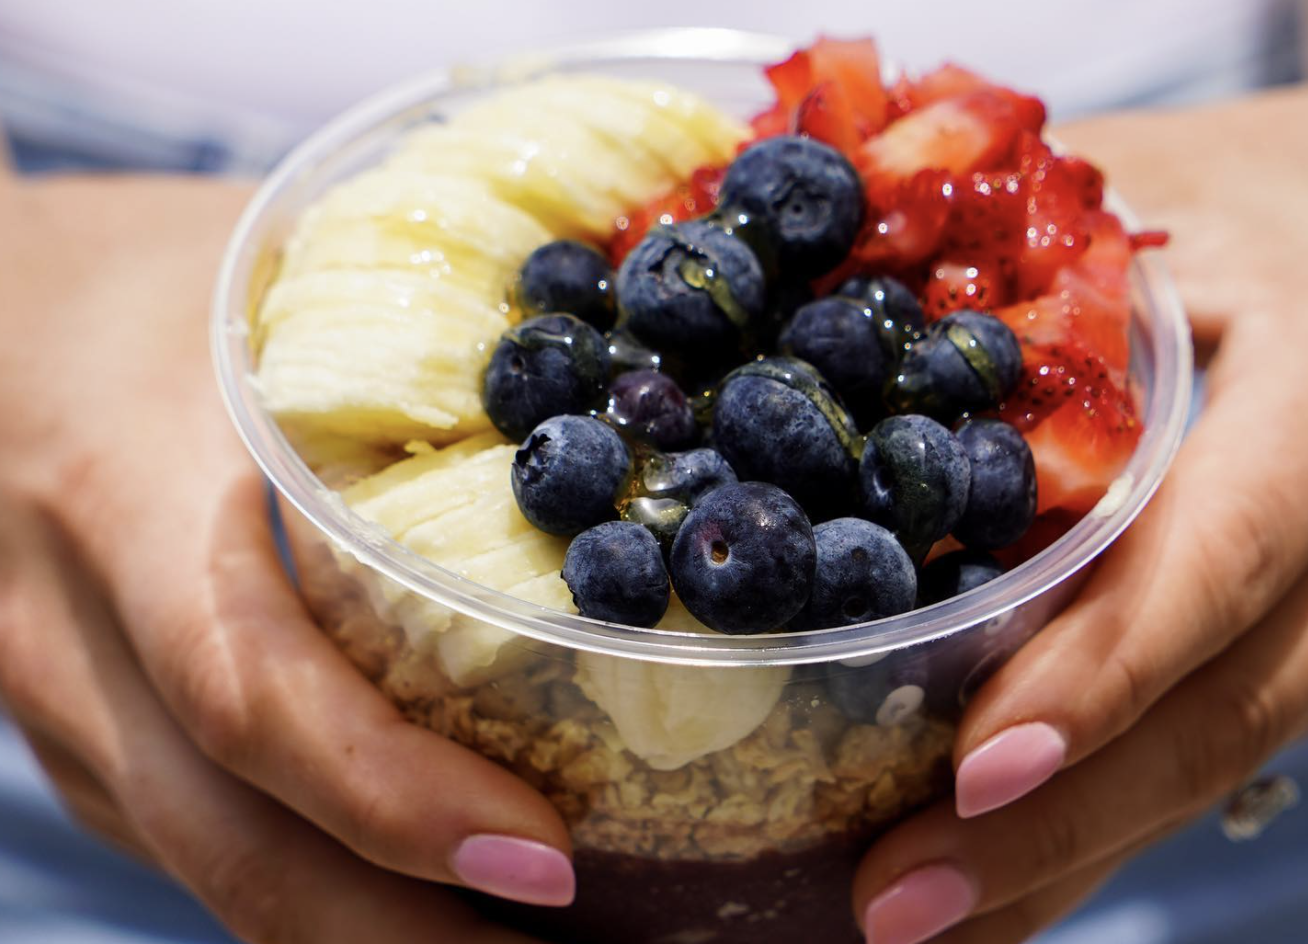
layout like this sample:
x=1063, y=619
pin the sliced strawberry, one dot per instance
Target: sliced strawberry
x=1080, y=424
x=904, y=222
x=855, y=66
x=854, y=104
x=987, y=217
x=1059, y=191
x=826, y=114
x=695, y=197
x=950, y=81
x=1149, y=239
x=951, y=286
x=959, y=135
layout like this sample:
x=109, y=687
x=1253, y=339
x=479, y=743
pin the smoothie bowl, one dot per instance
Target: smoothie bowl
x=725, y=750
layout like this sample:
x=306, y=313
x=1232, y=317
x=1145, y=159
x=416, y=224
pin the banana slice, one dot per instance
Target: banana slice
x=670, y=715
x=455, y=506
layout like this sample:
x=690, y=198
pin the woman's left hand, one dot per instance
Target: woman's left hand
x=1183, y=665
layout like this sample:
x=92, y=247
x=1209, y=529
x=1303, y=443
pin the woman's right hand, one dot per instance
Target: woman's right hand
x=151, y=648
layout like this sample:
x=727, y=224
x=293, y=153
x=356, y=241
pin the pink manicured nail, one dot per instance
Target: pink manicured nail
x=919, y=906
x=1008, y=766
x=517, y=869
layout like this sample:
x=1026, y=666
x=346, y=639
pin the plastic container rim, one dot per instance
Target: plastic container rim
x=1164, y=414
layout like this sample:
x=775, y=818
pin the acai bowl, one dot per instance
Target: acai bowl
x=719, y=786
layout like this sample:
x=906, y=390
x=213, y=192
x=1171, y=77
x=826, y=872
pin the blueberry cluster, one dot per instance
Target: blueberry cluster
x=826, y=443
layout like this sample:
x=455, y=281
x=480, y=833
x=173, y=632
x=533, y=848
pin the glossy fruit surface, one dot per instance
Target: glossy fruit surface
x=569, y=474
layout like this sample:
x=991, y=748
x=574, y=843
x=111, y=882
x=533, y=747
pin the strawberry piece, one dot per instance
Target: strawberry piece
x=826, y=115
x=831, y=90
x=904, y=222
x=1059, y=191
x=950, y=81
x=1149, y=239
x=959, y=135
x=987, y=217
x=1080, y=424
x=687, y=200
x=952, y=286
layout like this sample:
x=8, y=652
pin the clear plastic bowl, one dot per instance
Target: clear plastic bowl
x=716, y=791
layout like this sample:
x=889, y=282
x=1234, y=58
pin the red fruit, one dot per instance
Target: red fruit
x=952, y=286
x=1080, y=424
x=950, y=81
x=855, y=66
x=695, y=197
x=959, y=135
x=987, y=217
x=1149, y=239
x=904, y=222
x=1059, y=191
x=854, y=105
x=825, y=114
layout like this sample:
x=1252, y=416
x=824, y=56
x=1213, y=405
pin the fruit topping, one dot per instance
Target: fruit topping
x=544, y=367
x=805, y=194
x=894, y=311
x=957, y=572
x=567, y=276
x=569, y=474
x=743, y=560
x=686, y=476
x=914, y=479
x=839, y=337
x=966, y=362
x=862, y=574
x=691, y=289
x=615, y=572
x=1001, y=501
x=650, y=406
x=777, y=421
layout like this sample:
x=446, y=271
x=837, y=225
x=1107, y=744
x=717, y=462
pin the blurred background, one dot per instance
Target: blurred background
x=227, y=86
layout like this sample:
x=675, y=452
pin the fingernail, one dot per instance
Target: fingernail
x=1008, y=766
x=517, y=869
x=919, y=906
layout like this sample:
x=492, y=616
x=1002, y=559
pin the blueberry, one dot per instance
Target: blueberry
x=744, y=558
x=777, y=421
x=966, y=362
x=837, y=336
x=544, y=367
x=615, y=572
x=956, y=572
x=1002, y=502
x=893, y=308
x=889, y=691
x=626, y=352
x=691, y=289
x=808, y=197
x=569, y=474
x=686, y=476
x=651, y=406
x=567, y=276
x=862, y=574
x=914, y=479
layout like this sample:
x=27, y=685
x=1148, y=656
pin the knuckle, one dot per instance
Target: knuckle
x=1214, y=759
x=213, y=706
x=1131, y=691
x=370, y=824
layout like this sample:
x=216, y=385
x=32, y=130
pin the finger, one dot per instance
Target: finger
x=267, y=695
x=1022, y=919
x=1208, y=556
x=1191, y=172
x=268, y=874
x=1199, y=743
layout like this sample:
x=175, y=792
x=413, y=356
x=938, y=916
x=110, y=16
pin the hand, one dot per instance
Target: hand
x=1183, y=665
x=151, y=648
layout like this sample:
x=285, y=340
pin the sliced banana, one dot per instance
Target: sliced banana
x=670, y=715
